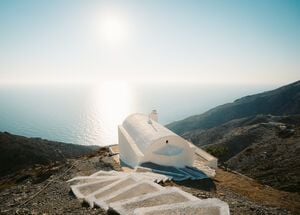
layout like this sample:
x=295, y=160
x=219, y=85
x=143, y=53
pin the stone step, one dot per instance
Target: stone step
x=108, y=173
x=105, y=191
x=208, y=206
x=142, y=176
x=151, y=176
x=170, y=175
x=83, y=190
x=139, y=189
x=86, y=179
x=167, y=196
x=136, y=192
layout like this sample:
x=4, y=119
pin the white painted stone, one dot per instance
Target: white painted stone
x=207, y=206
x=144, y=140
x=107, y=173
x=142, y=169
x=105, y=191
x=86, y=179
x=170, y=195
x=83, y=190
x=137, y=193
x=207, y=159
x=114, y=174
x=139, y=189
x=155, y=177
x=211, y=173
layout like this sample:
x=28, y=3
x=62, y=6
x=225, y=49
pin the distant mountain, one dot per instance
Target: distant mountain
x=18, y=152
x=282, y=101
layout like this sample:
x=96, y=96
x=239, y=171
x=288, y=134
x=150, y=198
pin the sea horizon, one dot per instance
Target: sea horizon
x=90, y=114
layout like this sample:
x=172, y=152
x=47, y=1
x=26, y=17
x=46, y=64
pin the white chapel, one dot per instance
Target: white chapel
x=142, y=139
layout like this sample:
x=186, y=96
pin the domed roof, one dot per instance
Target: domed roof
x=144, y=131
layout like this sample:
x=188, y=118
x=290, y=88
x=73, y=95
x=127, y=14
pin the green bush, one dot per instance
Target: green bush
x=217, y=151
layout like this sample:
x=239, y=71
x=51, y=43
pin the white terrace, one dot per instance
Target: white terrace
x=152, y=154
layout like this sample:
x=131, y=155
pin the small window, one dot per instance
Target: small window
x=167, y=141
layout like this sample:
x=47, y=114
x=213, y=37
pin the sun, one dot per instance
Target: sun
x=114, y=28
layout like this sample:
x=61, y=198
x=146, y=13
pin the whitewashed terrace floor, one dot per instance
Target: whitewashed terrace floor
x=137, y=193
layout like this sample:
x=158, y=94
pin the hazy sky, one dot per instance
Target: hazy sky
x=255, y=41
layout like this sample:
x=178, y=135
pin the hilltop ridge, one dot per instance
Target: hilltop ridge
x=281, y=101
x=18, y=152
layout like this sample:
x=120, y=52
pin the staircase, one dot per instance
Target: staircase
x=137, y=192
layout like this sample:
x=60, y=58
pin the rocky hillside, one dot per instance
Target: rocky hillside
x=30, y=192
x=266, y=148
x=256, y=135
x=18, y=152
x=282, y=101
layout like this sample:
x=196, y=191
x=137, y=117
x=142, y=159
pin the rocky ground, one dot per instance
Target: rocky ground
x=263, y=147
x=43, y=190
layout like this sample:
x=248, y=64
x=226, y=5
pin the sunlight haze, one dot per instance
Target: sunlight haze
x=144, y=41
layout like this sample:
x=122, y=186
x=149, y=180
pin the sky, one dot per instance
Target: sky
x=219, y=42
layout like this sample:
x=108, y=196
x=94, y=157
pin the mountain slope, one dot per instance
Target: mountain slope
x=266, y=148
x=256, y=135
x=282, y=101
x=17, y=152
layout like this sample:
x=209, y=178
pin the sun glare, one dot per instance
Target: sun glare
x=113, y=101
x=114, y=28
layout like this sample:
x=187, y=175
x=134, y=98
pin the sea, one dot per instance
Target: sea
x=90, y=114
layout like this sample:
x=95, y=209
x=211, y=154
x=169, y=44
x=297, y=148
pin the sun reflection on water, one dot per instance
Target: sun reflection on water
x=112, y=102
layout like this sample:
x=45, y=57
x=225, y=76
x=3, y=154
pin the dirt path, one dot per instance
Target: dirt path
x=257, y=192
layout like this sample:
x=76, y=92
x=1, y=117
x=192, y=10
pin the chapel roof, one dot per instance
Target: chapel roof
x=145, y=131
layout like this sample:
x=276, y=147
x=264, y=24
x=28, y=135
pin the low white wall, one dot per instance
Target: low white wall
x=129, y=153
x=209, y=160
